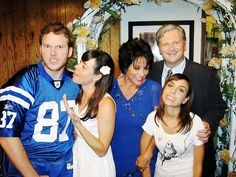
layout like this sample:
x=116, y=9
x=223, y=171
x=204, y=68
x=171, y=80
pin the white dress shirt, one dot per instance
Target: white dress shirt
x=177, y=69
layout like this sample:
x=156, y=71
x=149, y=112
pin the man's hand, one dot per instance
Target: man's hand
x=205, y=133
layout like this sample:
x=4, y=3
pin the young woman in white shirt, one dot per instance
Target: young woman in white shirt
x=174, y=129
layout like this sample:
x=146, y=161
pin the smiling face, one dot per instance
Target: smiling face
x=172, y=47
x=55, y=52
x=137, y=72
x=175, y=93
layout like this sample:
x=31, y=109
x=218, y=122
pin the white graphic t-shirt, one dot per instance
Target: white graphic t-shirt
x=175, y=156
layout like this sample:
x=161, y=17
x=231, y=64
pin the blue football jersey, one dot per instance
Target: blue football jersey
x=31, y=108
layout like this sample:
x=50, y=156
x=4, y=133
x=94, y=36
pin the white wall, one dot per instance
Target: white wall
x=175, y=10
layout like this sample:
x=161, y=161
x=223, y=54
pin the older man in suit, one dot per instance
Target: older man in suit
x=208, y=102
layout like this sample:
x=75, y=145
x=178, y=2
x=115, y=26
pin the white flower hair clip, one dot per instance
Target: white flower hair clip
x=105, y=70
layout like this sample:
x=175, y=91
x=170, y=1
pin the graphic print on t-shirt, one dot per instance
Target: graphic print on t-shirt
x=170, y=151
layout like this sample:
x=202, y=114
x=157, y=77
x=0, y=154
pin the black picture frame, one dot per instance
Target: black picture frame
x=188, y=25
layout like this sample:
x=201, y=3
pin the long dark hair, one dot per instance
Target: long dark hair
x=185, y=120
x=102, y=85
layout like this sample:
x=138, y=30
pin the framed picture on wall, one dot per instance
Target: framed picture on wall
x=147, y=31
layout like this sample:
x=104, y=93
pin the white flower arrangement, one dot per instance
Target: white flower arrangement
x=225, y=67
x=228, y=51
x=105, y=70
x=91, y=26
x=215, y=63
x=86, y=28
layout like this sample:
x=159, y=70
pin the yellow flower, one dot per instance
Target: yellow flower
x=81, y=39
x=127, y=1
x=211, y=23
x=131, y=2
x=228, y=50
x=81, y=31
x=224, y=154
x=208, y=7
x=95, y=4
x=91, y=44
x=70, y=26
x=224, y=51
x=215, y=63
x=223, y=122
x=232, y=48
x=233, y=62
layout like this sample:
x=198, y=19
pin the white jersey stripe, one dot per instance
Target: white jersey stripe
x=18, y=90
x=16, y=100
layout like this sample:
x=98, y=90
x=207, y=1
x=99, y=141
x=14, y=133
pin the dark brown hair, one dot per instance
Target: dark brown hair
x=185, y=120
x=102, y=85
x=131, y=51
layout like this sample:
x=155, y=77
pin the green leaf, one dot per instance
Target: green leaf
x=71, y=64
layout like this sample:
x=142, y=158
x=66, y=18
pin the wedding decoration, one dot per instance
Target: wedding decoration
x=158, y=2
x=90, y=27
x=225, y=65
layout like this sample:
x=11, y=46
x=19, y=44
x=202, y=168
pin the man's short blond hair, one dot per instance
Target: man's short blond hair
x=169, y=27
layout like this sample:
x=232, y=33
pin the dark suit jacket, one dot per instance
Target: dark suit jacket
x=208, y=102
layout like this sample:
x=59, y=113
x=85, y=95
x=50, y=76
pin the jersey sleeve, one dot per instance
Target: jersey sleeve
x=149, y=125
x=15, y=99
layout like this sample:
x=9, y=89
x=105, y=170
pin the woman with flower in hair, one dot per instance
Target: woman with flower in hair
x=135, y=96
x=93, y=116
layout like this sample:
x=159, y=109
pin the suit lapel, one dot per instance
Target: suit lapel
x=188, y=70
x=160, y=70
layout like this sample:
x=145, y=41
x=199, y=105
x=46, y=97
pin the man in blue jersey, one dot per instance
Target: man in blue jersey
x=35, y=130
